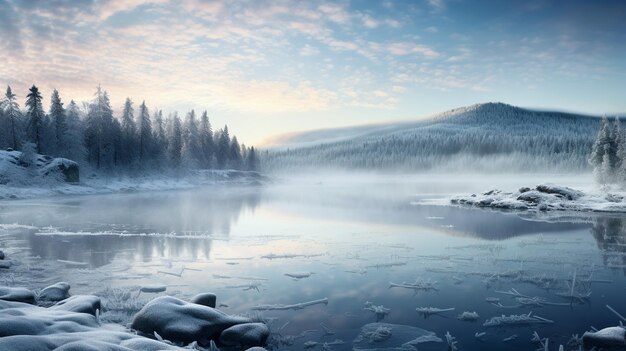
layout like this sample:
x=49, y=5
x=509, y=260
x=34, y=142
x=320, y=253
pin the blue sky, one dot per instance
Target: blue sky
x=270, y=67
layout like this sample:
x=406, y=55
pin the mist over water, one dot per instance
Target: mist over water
x=353, y=234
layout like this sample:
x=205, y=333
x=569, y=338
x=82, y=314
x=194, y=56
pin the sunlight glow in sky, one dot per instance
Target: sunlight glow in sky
x=270, y=67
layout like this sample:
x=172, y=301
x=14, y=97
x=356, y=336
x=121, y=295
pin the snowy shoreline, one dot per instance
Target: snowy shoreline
x=544, y=198
x=128, y=184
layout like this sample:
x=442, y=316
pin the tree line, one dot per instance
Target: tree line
x=91, y=134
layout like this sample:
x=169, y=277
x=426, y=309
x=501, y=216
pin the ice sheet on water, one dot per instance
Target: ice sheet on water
x=386, y=336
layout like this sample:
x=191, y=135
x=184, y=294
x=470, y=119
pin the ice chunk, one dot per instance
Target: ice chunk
x=389, y=336
x=380, y=311
x=299, y=275
x=153, y=288
x=297, y=306
x=468, y=316
x=521, y=319
x=428, y=311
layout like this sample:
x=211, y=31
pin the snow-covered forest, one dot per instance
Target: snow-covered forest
x=491, y=136
x=138, y=140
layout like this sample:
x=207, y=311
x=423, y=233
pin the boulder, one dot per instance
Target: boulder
x=179, y=321
x=68, y=168
x=563, y=191
x=205, y=299
x=17, y=294
x=536, y=197
x=80, y=304
x=605, y=338
x=248, y=334
x=56, y=292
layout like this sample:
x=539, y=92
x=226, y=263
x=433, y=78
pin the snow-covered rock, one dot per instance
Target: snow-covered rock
x=247, y=334
x=179, y=321
x=79, y=304
x=15, y=171
x=17, y=294
x=607, y=337
x=544, y=197
x=205, y=299
x=25, y=327
x=56, y=292
x=68, y=168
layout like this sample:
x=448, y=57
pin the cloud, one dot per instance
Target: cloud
x=437, y=5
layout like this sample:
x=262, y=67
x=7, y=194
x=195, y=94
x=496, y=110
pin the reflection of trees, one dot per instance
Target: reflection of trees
x=610, y=234
x=161, y=216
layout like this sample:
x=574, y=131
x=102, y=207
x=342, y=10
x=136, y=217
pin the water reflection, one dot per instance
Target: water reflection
x=610, y=234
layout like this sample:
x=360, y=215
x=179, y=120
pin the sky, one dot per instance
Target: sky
x=272, y=67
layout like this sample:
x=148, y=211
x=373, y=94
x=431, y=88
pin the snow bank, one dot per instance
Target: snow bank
x=20, y=184
x=545, y=197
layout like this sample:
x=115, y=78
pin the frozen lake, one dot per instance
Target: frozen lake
x=345, y=241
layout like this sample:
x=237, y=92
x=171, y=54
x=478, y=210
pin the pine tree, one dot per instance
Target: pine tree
x=144, y=126
x=99, y=131
x=12, y=111
x=75, y=135
x=191, y=138
x=36, y=117
x=223, y=148
x=176, y=142
x=235, y=154
x=206, y=140
x=159, y=137
x=251, y=160
x=129, y=134
x=615, y=147
x=600, y=160
x=57, y=115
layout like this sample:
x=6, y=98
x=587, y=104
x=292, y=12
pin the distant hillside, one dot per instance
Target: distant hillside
x=483, y=137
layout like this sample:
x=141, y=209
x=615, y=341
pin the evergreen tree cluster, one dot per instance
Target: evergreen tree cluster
x=137, y=140
x=608, y=153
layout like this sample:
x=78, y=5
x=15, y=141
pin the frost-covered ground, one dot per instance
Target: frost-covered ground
x=128, y=184
x=35, y=176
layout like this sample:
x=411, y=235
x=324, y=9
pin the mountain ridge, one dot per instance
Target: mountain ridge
x=487, y=136
x=328, y=135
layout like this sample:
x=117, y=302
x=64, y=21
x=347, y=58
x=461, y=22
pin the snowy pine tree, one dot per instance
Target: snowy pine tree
x=58, y=119
x=36, y=118
x=128, y=143
x=223, y=148
x=12, y=114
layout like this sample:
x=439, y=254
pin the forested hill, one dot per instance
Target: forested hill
x=482, y=137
